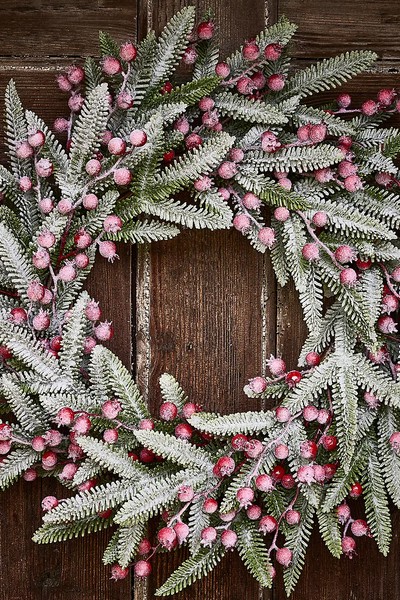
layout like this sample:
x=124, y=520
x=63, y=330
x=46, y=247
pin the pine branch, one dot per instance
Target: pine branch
x=254, y=553
x=174, y=450
x=253, y=111
x=246, y=422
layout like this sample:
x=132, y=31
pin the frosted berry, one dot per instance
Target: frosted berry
x=387, y=325
x=267, y=524
x=259, y=80
x=53, y=437
x=63, y=83
x=383, y=178
x=345, y=254
x=293, y=378
x=347, y=168
x=112, y=224
x=253, y=512
x=142, y=569
x=118, y=573
x=182, y=531
x=24, y=150
x=292, y=517
x=122, y=176
x=30, y=475
x=224, y=466
x=282, y=414
x=111, y=65
x=81, y=260
x=285, y=183
x=323, y=175
x=183, y=431
x=253, y=448
x=343, y=513
x=90, y=201
x=359, y=528
x=210, y=506
x=25, y=184
x=227, y=517
x=5, y=432
x=46, y=239
x=189, y=409
x=190, y=56
x=65, y=416
x=310, y=251
x=308, y=449
x=329, y=442
x=245, y=85
x=313, y=359
x=371, y=400
x=245, y=496
x=277, y=366
x=222, y=69
x=272, y=51
x=236, y=154
x=41, y=259
x=82, y=239
x=353, y=183
x=46, y=205
x=117, y=146
x=276, y=82
x=229, y=539
x=258, y=385
x=124, y=102
x=110, y=436
x=36, y=139
x=108, y=250
x=202, y=184
x=38, y=443
x=144, y=547
x=205, y=30
x=93, y=311
x=389, y=303
x=227, y=170
x=128, y=52
x=266, y=236
x=76, y=102
x=49, y=502
x=18, y=315
x=264, y=483
x=168, y=411
x=281, y=214
x=60, y=125
x=110, y=409
x=208, y=536
x=394, y=441
x=269, y=141
x=64, y=206
x=104, y=331
x=310, y=413
x=348, y=546
x=82, y=425
x=323, y=416
x=68, y=471
x=288, y=481
x=348, y=277
x=318, y=132
x=251, y=51
x=41, y=321
x=320, y=219
x=93, y=167
x=343, y=100
x=251, y=201
x=242, y=222
x=369, y=108
x=49, y=459
x=185, y=493
x=146, y=424
x=281, y=451
x=356, y=490
x=67, y=272
x=305, y=474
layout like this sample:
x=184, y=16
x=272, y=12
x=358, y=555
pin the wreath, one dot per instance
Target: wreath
x=318, y=187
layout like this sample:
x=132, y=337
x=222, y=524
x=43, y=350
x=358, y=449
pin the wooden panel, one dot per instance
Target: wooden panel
x=62, y=29
x=326, y=28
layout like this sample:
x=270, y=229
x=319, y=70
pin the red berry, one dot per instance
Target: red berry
x=348, y=546
x=356, y=490
x=168, y=411
x=268, y=524
x=293, y=378
x=264, y=483
x=288, y=482
x=183, y=431
x=238, y=441
x=205, y=30
x=224, y=466
x=272, y=51
x=277, y=473
x=118, y=573
x=329, y=442
x=210, y=506
x=313, y=359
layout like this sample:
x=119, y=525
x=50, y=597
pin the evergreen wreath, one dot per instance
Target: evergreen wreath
x=316, y=186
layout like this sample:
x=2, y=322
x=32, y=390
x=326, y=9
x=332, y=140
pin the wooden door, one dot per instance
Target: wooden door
x=204, y=307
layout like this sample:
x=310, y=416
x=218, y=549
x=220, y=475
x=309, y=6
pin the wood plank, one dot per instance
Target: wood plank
x=67, y=30
x=326, y=28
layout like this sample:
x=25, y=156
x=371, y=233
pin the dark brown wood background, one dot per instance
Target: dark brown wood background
x=204, y=307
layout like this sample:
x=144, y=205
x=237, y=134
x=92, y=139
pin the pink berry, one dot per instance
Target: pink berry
x=30, y=475
x=258, y=385
x=208, y=536
x=348, y=277
x=53, y=437
x=5, y=432
x=144, y=547
x=305, y=474
x=282, y=414
x=394, y=441
x=110, y=436
x=63, y=83
x=81, y=260
x=46, y=205
x=122, y=176
x=118, y=573
x=245, y=496
x=308, y=449
x=386, y=97
x=41, y=321
x=347, y=168
x=82, y=239
x=266, y=236
x=18, y=315
x=189, y=409
x=65, y=416
x=35, y=291
x=90, y=201
x=269, y=141
x=227, y=517
x=267, y=524
x=210, y=506
x=108, y=250
x=205, y=30
x=38, y=443
x=93, y=167
x=371, y=400
x=46, y=239
x=281, y=214
x=281, y=451
x=49, y=459
x=369, y=108
x=185, y=493
x=253, y=448
x=285, y=183
x=345, y=254
x=124, y=102
x=93, y=311
x=259, y=80
x=310, y=413
x=253, y=512
x=117, y=146
x=353, y=183
x=323, y=175
x=343, y=513
x=128, y=52
x=229, y=538
x=241, y=222
x=183, y=431
x=389, y=303
x=104, y=331
x=138, y=138
x=67, y=272
x=264, y=483
x=76, y=102
x=112, y=224
x=64, y=206
x=245, y=85
x=82, y=425
x=277, y=366
x=387, y=325
x=24, y=150
x=25, y=184
x=251, y=201
x=41, y=259
x=142, y=569
x=168, y=411
x=318, y=133
x=310, y=251
x=292, y=517
x=111, y=408
x=68, y=471
x=348, y=546
x=359, y=528
x=383, y=178
x=167, y=537
x=224, y=466
x=60, y=125
x=343, y=100
x=222, y=70
x=329, y=442
x=202, y=184
x=206, y=104
x=36, y=139
x=111, y=66
x=227, y=170
x=272, y=51
x=146, y=424
x=276, y=82
x=182, y=531
x=320, y=219
x=49, y=502
x=251, y=51
x=313, y=359
x=190, y=56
